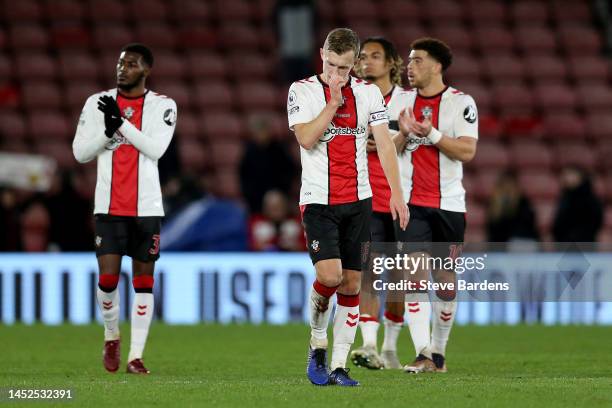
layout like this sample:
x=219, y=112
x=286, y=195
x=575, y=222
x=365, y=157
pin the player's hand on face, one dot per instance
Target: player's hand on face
x=335, y=89
x=399, y=210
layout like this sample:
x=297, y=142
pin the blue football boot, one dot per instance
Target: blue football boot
x=340, y=377
x=317, y=367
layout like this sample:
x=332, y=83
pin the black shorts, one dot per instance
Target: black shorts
x=431, y=225
x=136, y=237
x=381, y=227
x=337, y=231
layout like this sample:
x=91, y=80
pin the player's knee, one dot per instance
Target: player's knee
x=143, y=283
x=329, y=279
x=351, y=286
x=446, y=295
x=108, y=282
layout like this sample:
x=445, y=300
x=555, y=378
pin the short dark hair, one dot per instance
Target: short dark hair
x=341, y=40
x=143, y=50
x=436, y=48
x=391, y=56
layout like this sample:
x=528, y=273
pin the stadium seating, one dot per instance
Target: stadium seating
x=534, y=67
x=35, y=66
x=194, y=156
x=77, y=66
x=47, y=125
x=13, y=124
x=27, y=36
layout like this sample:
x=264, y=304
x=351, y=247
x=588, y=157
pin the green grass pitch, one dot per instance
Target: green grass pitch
x=264, y=366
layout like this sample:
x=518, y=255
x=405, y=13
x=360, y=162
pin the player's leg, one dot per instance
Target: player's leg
x=416, y=238
x=393, y=321
x=369, y=305
x=444, y=311
x=107, y=294
x=419, y=318
x=144, y=250
x=346, y=319
x=328, y=278
x=354, y=232
x=394, y=308
x=110, y=242
x=322, y=240
x=449, y=228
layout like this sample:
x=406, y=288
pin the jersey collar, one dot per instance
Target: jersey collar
x=433, y=96
x=132, y=97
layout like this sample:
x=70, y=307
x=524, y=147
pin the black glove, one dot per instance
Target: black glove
x=112, y=114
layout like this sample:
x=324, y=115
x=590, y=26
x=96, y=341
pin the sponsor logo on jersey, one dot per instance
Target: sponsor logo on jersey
x=414, y=142
x=170, y=117
x=333, y=131
x=294, y=110
x=116, y=141
x=469, y=114
x=292, y=98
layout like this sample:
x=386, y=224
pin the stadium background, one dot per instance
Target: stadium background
x=540, y=74
x=538, y=70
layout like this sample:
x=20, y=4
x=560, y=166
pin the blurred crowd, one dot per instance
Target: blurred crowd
x=207, y=210
x=267, y=218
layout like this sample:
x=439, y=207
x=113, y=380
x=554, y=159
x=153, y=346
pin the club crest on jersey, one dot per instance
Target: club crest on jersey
x=315, y=246
x=426, y=112
x=128, y=112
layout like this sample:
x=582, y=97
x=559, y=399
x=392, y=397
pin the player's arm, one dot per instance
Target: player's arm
x=462, y=148
x=154, y=144
x=399, y=141
x=89, y=139
x=309, y=133
x=387, y=154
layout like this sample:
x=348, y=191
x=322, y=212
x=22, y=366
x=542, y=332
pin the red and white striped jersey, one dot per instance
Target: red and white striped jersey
x=128, y=179
x=396, y=100
x=335, y=170
x=429, y=177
